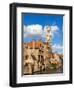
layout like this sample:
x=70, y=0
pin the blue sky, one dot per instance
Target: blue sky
x=42, y=21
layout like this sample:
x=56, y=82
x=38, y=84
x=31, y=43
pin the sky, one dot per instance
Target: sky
x=34, y=28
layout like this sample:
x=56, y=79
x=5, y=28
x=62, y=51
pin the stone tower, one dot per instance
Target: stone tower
x=49, y=38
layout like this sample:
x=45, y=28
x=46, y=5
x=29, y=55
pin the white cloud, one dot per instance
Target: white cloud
x=34, y=29
x=54, y=28
x=57, y=48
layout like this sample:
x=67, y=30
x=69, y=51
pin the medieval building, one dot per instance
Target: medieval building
x=36, y=53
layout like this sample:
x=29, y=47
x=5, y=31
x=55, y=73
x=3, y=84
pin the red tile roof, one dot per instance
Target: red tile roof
x=35, y=44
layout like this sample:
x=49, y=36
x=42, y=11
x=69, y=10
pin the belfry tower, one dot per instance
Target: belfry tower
x=49, y=38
